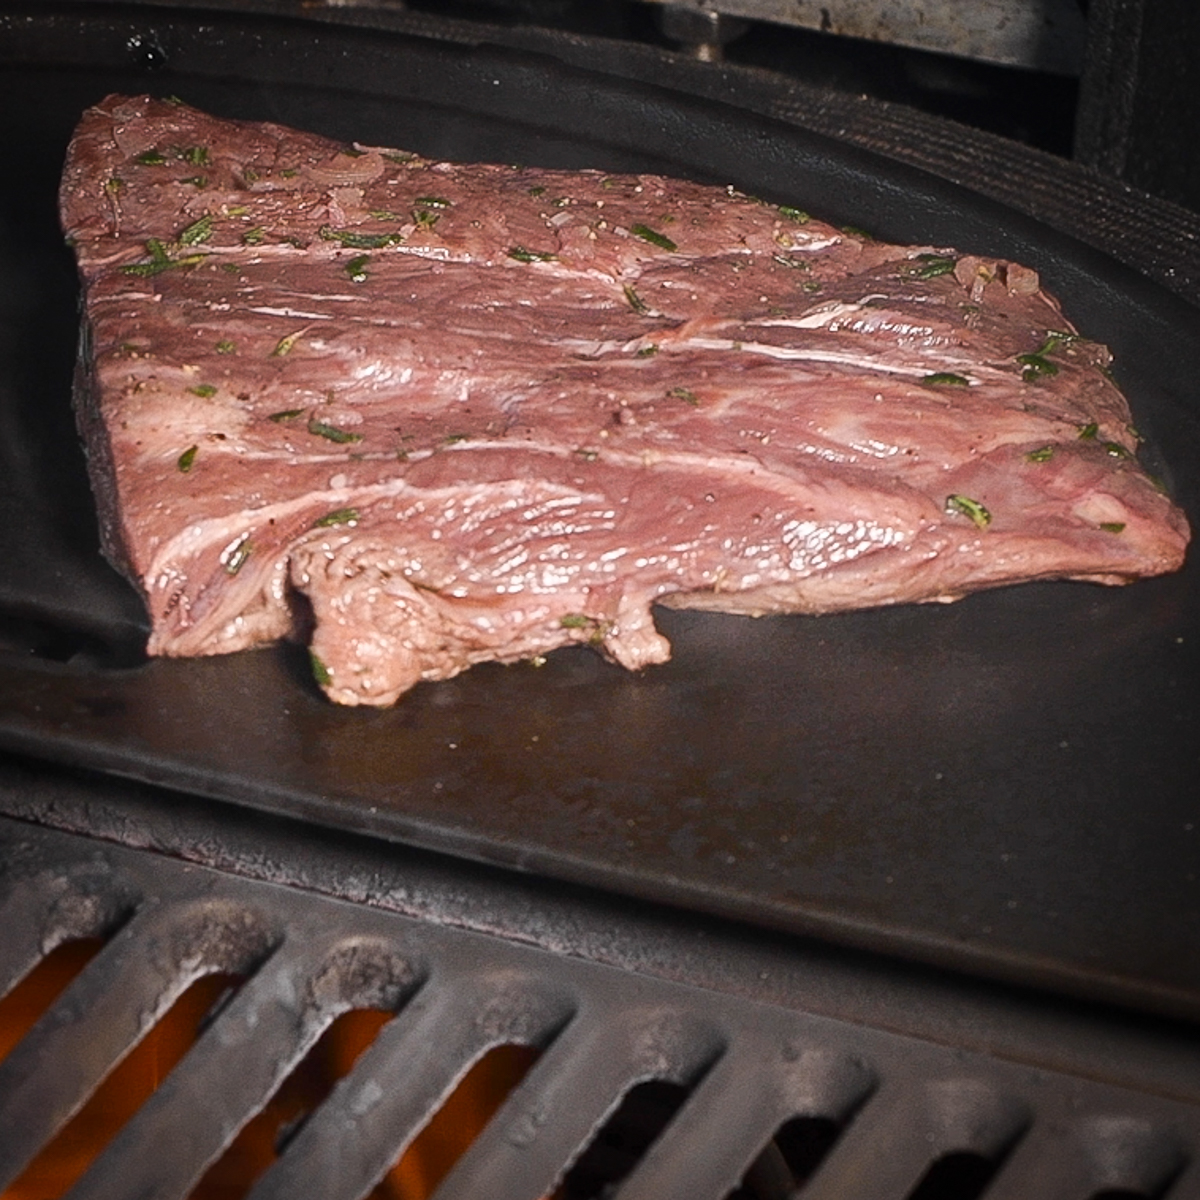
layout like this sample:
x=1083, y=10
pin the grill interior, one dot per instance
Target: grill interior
x=639, y=1051
x=995, y=765
x=653, y=1078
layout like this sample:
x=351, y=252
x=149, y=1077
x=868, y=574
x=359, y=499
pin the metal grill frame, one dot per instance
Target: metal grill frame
x=1071, y=1100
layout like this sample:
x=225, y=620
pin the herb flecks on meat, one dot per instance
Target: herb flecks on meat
x=459, y=413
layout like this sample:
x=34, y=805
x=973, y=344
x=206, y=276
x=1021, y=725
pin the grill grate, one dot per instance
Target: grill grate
x=902, y=1103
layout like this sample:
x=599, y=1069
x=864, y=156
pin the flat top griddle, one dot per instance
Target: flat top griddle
x=1006, y=785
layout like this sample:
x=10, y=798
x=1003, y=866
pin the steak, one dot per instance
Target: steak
x=431, y=414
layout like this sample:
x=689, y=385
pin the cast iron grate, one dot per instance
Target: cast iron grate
x=748, y=1099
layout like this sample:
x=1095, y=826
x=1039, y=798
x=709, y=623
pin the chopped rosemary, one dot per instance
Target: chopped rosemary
x=332, y=432
x=285, y=344
x=289, y=173
x=648, y=351
x=196, y=155
x=386, y=214
x=653, y=237
x=161, y=264
x=521, y=254
x=1088, y=431
x=451, y=438
x=794, y=214
x=151, y=158
x=197, y=232
x=185, y=460
x=797, y=264
x=433, y=201
x=638, y=305
x=1041, y=454
x=154, y=267
x=160, y=260
x=537, y=191
x=855, y=231
x=1116, y=450
x=933, y=265
x=320, y=670
x=1035, y=367
x=339, y=516
x=225, y=346
x=1112, y=526
x=969, y=508
x=288, y=414
x=252, y=237
x=203, y=390
x=947, y=378
x=575, y=621
x=424, y=218
x=113, y=185
x=356, y=268
x=354, y=240
x=1055, y=339
x=237, y=559
x=684, y=394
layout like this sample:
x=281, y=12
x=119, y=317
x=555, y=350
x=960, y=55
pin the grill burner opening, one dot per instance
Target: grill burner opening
x=644, y=1112
x=22, y=1007
x=260, y=1143
x=266, y=1136
x=65, y=1159
x=464, y=1115
x=789, y=1159
x=962, y=1176
x=364, y=1053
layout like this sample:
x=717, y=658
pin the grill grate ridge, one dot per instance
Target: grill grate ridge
x=905, y=1102
x=347, y=1146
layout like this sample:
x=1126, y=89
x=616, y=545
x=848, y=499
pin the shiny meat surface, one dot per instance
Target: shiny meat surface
x=432, y=414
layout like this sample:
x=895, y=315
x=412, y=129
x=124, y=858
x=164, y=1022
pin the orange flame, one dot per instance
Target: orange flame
x=61, y=1163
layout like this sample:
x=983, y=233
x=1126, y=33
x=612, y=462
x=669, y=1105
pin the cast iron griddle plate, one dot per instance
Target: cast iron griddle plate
x=1006, y=784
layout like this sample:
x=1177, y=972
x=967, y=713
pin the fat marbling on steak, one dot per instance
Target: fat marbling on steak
x=433, y=414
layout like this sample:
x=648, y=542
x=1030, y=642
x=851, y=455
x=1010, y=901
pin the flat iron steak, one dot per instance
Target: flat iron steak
x=432, y=414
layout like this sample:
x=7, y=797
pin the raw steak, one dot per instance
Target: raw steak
x=432, y=414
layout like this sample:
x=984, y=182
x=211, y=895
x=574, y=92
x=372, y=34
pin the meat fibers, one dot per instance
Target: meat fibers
x=428, y=414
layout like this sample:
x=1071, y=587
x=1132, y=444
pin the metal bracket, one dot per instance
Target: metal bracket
x=1042, y=35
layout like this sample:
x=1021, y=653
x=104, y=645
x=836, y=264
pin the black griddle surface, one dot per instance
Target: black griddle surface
x=1006, y=785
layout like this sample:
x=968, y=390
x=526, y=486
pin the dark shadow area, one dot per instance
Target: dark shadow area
x=789, y=1159
x=960, y=1176
x=620, y=1145
x=1027, y=106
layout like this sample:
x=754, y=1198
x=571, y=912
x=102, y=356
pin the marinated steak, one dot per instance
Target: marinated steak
x=432, y=414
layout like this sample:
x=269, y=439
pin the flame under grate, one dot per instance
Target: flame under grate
x=642, y=1087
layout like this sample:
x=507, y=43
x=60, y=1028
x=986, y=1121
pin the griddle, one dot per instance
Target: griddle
x=1005, y=786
